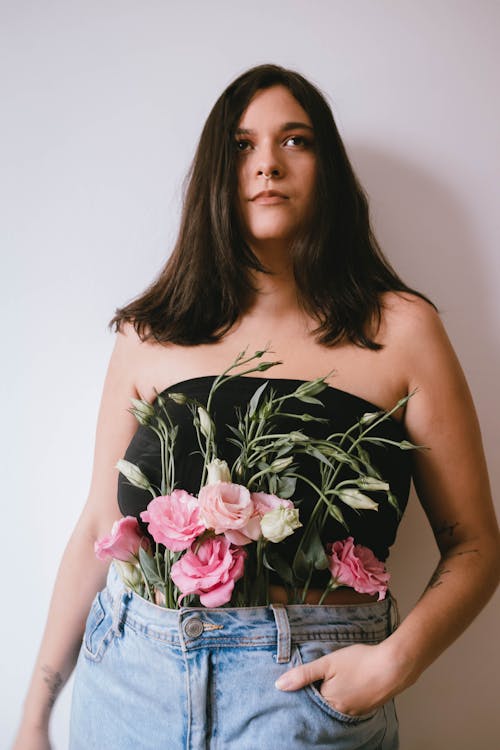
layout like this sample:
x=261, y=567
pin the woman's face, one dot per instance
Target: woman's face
x=274, y=137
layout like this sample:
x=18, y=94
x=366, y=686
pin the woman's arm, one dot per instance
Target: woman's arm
x=452, y=484
x=80, y=574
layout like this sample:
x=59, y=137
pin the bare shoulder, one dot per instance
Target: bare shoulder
x=404, y=313
x=129, y=351
x=414, y=330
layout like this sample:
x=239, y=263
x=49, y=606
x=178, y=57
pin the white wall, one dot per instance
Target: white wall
x=102, y=104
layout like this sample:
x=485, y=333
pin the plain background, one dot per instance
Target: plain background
x=102, y=106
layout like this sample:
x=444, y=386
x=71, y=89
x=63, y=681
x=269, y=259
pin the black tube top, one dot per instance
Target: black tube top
x=374, y=529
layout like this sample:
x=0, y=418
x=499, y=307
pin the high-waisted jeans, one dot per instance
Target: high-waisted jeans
x=151, y=678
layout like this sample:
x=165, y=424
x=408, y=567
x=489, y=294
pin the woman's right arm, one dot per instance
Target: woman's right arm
x=81, y=575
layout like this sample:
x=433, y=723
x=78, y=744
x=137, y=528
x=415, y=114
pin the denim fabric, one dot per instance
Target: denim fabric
x=196, y=678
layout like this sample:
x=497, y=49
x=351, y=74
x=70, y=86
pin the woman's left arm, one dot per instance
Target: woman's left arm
x=452, y=484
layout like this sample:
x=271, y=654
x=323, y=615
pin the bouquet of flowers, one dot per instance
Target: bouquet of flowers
x=219, y=546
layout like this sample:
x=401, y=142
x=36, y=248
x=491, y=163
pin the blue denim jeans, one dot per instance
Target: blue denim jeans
x=198, y=678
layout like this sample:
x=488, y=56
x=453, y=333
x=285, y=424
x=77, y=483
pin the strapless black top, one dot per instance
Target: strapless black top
x=374, y=529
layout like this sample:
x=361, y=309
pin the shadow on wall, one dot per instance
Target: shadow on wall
x=429, y=236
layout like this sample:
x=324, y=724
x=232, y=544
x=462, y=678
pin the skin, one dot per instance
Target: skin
x=287, y=155
x=451, y=477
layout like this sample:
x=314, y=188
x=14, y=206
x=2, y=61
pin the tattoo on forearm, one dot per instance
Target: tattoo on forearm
x=441, y=570
x=436, y=577
x=53, y=681
x=447, y=528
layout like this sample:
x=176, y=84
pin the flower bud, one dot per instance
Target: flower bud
x=370, y=416
x=133, y=474
x=129, y=573
x=218, y=471
x=142, y=411
x=279, y=523
x=370, y=483
x=178, y=398
x=266, y=366
x=296, y=436
x=143, y=407
x=356, y=499
x=280, y=463
x=311, y=387
x=206, y=424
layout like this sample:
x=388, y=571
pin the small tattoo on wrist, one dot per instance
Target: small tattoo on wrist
x=54, y=681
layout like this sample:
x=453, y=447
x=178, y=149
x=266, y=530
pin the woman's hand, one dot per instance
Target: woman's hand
x=356, y=679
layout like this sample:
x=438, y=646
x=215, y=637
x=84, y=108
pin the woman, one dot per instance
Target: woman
x=303, y=270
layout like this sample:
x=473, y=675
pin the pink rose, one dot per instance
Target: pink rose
x=211, y=571
x=124, y=541
x=263, y=503
x=174, y=520
x=356, y=566
x=224, y=505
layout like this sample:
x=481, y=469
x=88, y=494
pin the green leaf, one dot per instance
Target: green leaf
x=254, y=401
x=286, y=486
x=310, y=400
x=236, y=432
x=301, y=566
x=405, y=445
x=394, y=502
x=312, y=451
x=273, y=561
x=238, y=443
x=336, y=513
x=149, y=568
x=314, y=550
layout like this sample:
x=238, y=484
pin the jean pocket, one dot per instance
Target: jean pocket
x=308, y=651
x=98, y=629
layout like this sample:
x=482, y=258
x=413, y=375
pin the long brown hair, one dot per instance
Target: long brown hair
x=204, y=286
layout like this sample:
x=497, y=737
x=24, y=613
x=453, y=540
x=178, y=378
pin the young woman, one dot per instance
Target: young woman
x=274, y=245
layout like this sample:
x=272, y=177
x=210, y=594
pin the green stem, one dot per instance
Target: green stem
x=331, y=586
x=146, y=582
x=306, y=587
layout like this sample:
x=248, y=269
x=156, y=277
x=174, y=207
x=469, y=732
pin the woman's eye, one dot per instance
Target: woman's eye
x=239, y=143
x=298, y=138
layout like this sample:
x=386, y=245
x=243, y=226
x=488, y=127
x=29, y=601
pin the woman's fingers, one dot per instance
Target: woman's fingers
x=298, y=677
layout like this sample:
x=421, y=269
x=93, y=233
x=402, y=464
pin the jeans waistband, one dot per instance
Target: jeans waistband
x=277, y=624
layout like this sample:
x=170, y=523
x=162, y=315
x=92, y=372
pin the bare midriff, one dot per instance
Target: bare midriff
x=346, y=595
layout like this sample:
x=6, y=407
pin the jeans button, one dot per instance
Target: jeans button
x=193, y=627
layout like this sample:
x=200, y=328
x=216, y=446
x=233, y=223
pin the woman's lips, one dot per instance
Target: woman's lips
x=269, y=199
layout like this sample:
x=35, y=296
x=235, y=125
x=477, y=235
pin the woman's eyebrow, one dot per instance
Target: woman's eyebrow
x=285, y=126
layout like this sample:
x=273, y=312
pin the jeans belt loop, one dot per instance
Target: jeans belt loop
x=395, y=618
x=283, y=633
x=117, y=611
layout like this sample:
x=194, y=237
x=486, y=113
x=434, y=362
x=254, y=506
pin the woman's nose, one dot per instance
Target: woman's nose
x=268, y=162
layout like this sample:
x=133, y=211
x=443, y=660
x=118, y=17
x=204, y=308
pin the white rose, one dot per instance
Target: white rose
x=279, y=523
